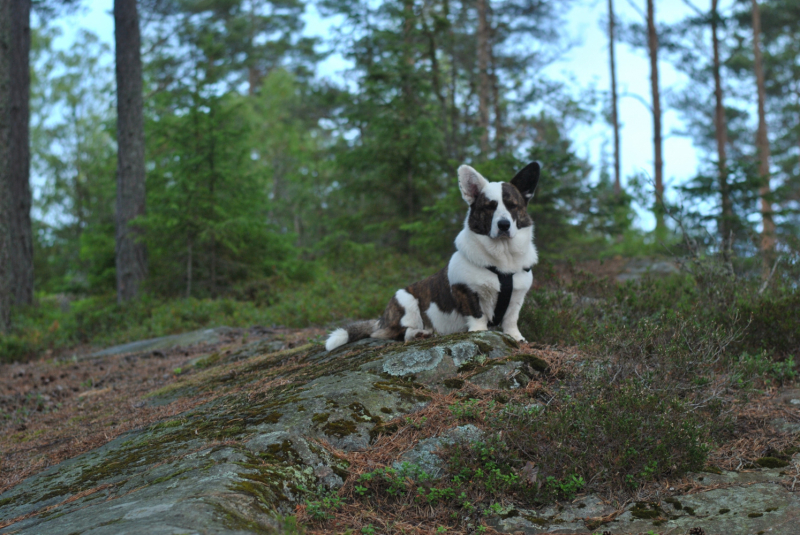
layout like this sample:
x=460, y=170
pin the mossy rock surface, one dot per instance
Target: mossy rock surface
x=237, y=462
x=755, y=502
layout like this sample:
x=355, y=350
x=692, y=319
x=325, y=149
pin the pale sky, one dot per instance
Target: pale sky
x=586, y=63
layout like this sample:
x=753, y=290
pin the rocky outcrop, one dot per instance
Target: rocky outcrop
x=238, y=462
x=262, y=441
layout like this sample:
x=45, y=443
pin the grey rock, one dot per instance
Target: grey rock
x=232, y=465
x=637, y=268
x=423, y=454
x=203, y=336
x=754, y=503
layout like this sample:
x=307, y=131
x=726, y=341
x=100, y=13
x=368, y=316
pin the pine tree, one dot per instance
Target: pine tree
x=21, y=253
x=5, y=183
x=131, y=252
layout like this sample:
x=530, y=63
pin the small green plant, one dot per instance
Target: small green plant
x=322, y=508
x=567, y=488
x=416, y=425
x=466, y=409
x=369, y=529
x=177, y=371
x=361, y=491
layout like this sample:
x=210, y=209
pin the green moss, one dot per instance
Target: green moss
x=537, y=363
x=724, y=511
x=755, y=515
x=167, y=424
x=771, y=509
x=674, y=502
x=207, y=361
x=272, y=418
x=469, y=366
x=361, y=414
x=771, y=462
x=340, y=428
x=644, y=513
x=387, y=410
x=689, y=510
x=454, y=383
x=320, y=417
x=170, y=476
x=5, y=501
x=382, y=429
x=712, y=470
x=645, y=510
x=282, y=452
x=539, y=521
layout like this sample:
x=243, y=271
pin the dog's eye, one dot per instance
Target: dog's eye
x=493, y=205
x=511, y=205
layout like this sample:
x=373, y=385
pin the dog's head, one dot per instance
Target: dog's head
x=498, y=209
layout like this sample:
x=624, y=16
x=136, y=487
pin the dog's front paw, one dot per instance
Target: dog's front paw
x=516, y=335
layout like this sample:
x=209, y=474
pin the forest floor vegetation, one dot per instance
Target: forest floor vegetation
x=624, y=390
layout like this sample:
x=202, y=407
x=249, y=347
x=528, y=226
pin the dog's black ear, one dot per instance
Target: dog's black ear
x=526, y=180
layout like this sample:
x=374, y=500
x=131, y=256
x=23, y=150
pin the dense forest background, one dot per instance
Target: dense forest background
x=278, y=196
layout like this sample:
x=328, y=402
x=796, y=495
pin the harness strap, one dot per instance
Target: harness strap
x=504, y=298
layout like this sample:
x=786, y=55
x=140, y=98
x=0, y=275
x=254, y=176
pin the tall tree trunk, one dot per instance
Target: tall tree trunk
x=499, y=129
x=652, y=43
x=721, y=126
x=5, y=186
x=614, y=115
x=20, y=156
x=762, y=144
x=131, y=253
x=188, y=267
x=409, y=98
x=484, y=83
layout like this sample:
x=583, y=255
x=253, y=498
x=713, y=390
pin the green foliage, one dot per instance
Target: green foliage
x=73, y=149
x=324, y=504
x=330, y=295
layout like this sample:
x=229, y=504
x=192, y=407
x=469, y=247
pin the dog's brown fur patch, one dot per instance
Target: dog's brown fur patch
x=467, y=302
x=516, y=205
x=480, y=215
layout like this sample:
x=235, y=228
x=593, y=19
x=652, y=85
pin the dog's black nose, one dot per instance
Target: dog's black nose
x=503, y=225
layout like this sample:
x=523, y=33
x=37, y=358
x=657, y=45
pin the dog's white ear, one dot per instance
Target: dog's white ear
x=471, y=183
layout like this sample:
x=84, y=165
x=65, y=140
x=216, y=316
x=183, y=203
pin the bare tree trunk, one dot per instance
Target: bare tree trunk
x=21, y=254
x=762, y=144
x=652, y=42
x=5, y=189
x=408, y=27
x=484, y=84
x=131, y=253
x=188, y=267
x=720, y=123
x=614, y=115
x=499, y=129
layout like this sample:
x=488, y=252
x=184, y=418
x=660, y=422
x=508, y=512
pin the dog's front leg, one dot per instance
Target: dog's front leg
x=512, y=317
x=468, y=304
x=477, y=324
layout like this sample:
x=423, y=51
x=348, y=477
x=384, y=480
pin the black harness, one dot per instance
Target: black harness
x=504, y=298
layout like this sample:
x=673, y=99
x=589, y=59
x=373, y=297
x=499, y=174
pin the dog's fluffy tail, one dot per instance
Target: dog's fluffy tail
x=353, y=332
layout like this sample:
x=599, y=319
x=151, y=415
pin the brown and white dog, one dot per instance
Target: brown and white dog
x=487, y=278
